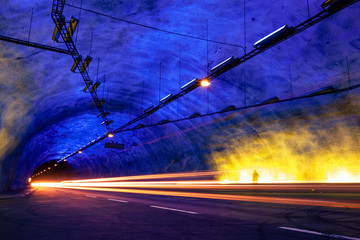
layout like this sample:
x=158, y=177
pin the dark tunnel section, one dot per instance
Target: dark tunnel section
x=52, y=171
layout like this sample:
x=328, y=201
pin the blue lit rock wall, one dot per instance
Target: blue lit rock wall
x=45, y=115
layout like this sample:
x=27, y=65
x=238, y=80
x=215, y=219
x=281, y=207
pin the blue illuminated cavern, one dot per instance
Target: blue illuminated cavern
x=144, y=50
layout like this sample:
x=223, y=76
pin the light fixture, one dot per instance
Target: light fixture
x=49, y=168
x=55, y=165
x=79, y=151
x=205, y=83
x=166, y=98
x=190, y=84
x=110, y=135
x=149, y=109
x=273, y=37
x=223, y=64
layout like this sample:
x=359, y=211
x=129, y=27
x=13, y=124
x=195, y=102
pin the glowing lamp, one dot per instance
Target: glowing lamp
x=29, y=180
x=205, y=83
x=55, y=165
x=110, y=135
x=48, y=167
x=78, y=152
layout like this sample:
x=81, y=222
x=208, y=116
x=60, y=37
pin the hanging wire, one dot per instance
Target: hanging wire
x=150, y=27
x=77, y=30
x=308, y=8
x=348, y=71
x=160, y=84
x=31, y=19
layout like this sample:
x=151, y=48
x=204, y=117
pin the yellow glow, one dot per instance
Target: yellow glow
x=80, y=151
x=55, y=165
x=342, y=175
x=110, y=135
x=48, y=167
x=29, y=180
x=302, y=153
x=205, y=83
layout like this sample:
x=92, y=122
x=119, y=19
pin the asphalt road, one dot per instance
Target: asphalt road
x=51, y=213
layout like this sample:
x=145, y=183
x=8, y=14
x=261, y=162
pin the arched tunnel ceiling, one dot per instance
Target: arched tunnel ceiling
x=45, y=115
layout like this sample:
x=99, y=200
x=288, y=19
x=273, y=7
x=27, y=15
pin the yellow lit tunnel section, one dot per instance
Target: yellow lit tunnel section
x=327, y=151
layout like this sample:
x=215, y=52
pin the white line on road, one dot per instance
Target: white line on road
x=319, y=233
x=91, y=196
x=117, y=200
x=174, y=209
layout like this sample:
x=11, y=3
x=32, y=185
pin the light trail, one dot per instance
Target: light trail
x=261, y=199
x=152, y=176
x=182, y=185
x=212, y=185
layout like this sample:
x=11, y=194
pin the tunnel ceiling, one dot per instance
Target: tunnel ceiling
x=144, y=50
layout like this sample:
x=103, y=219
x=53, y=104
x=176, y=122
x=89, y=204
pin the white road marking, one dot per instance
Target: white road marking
x=319, y=233
x=92, y=196
x=117, y=200
x=174, y=209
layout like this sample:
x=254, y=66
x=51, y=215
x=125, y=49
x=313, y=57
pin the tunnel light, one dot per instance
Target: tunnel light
x=205, y=82
x=140, y=125
x=29, y=180
x=55, y=165
x=71, y=29
x=110, y=135
x=95, y=86
x=331, y=4
x=164, y=121
x=79, y=151
x=229, y=108
x=190, y=84
x=166, y=98
x=64, y=160
x=149, y=108
x=270, y=38
x=49, y=168
x=223, y=64
x=197, y=114
x=76, y=62
x=44, y=170
x=271, y=100
x=86, y=63
x=322, y=91
x=106, y=123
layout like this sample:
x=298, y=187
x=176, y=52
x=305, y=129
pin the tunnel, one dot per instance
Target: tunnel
x=310, y=132
x=158, y=119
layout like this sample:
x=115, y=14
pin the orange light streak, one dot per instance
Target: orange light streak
x=262, y=199
x=152, y=176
